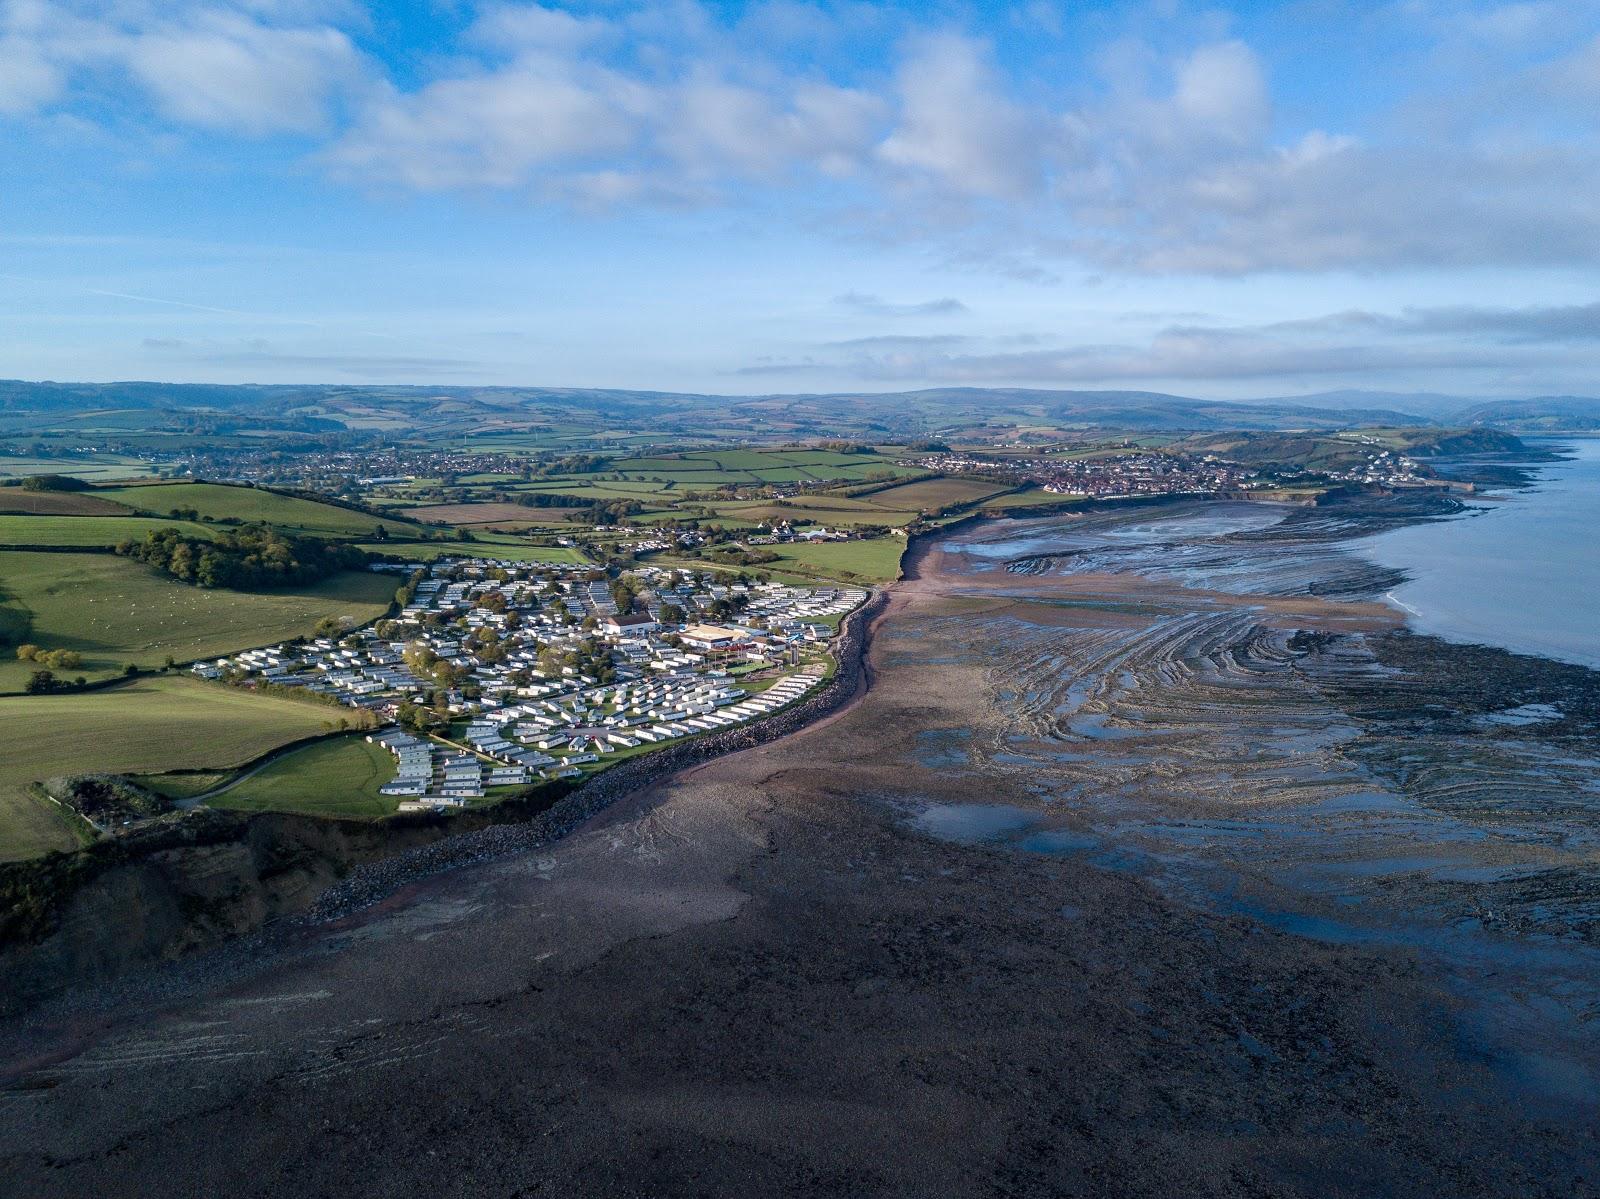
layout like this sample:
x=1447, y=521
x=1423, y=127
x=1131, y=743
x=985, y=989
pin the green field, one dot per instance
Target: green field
x=337, y=777
x=87, y=531
x=874, y=561
x=107, y=468
x=114, y=611
x=219, y=501
x=821, y=509
x=19, y=500
x=934, y=493
x=702, y=469
x=1032, y=497
x=146, y=727
x=427, y=551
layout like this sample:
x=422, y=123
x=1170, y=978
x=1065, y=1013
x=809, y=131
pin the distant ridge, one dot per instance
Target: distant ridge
x=432, y=407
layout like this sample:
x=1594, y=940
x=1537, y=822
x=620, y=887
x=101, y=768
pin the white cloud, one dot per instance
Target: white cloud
x=1220, y=91
x=27, y=79
x=229, y=72
x=957, y=128
x=533, y=26
x=1174, y=162
x=229, y=68
x=492, y=130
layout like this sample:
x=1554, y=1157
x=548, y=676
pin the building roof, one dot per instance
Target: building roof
x=711, y=632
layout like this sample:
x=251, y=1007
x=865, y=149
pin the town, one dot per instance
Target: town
x=1131, y=473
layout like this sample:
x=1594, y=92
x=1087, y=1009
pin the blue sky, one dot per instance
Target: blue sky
x=1238, y=200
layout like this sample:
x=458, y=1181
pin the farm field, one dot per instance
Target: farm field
x=114, y=611
x=934, y=493
x=427, y=551
x=337, y=777
x=93, y=470
x=711, y=468
x=88, y=531
x=220, y=501
x=481, y=514
x=147, y=727
x=874, y=561
x=820, y=510
x=1033, y=497
x=18, y=501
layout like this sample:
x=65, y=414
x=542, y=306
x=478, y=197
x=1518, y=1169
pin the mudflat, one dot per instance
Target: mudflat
x=833, y=965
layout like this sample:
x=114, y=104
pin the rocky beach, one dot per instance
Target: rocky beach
x=1157, y=858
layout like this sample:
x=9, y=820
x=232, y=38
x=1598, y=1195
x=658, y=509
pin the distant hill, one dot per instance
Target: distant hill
x=1425, y=407
x=1542, y=414
x=425, y=411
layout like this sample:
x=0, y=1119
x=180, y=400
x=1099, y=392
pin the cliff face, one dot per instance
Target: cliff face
x=197, y=878
x=183, y=889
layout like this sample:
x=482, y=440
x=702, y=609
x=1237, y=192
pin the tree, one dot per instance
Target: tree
x=53, y=483
x=41, y=681
x=419, y=658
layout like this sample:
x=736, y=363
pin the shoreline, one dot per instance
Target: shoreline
x=376, y=879
x=811, y=986
x=41, y=972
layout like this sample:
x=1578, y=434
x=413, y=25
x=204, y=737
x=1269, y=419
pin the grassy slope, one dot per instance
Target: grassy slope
x=149, y=726
x=331, y=778
x=877, y=560
x=933, y=493
x=87, y=531
x=251, y=504
x=114, y=611
x=428, y=551
x=58, y=503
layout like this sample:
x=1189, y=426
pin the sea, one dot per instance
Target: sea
x=1519, y=570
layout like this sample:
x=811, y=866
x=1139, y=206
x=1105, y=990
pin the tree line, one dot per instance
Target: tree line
x=253, y=558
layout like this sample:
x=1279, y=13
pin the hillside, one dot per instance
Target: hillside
x=1543, y=414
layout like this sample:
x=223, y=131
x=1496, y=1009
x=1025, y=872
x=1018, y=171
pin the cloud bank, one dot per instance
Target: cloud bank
x=1166, y=155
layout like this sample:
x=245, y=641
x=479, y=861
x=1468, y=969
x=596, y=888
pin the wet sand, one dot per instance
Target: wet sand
x=773, y=975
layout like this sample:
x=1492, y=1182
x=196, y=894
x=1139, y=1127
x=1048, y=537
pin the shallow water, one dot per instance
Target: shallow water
x=1312, y=785
x=1520, y=572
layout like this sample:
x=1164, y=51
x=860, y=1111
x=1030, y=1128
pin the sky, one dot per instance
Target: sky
x=1252, y=199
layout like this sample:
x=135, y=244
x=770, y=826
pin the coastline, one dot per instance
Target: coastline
x=87, y=948
x=390, y=867
x=821, y=995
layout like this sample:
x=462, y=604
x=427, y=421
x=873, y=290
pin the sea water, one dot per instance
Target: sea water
x=1520, y=571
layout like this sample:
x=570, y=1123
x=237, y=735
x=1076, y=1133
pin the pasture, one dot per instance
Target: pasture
x=146, y=727
x=428, y=551
x=101, y=468
x=17, y=501
x=115, y=611
x=484, y=514
x=89, y=532
x=252, y=505
x=873, y=561
x=704, y=469
x=1032, y=497
x=822, y=509
x=336, y=777
x=934, y=494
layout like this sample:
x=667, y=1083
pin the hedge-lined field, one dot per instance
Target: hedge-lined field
x=147, y=727
x=114, y=611
x=337, y=777
x=220, y=501
x=90, y=532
